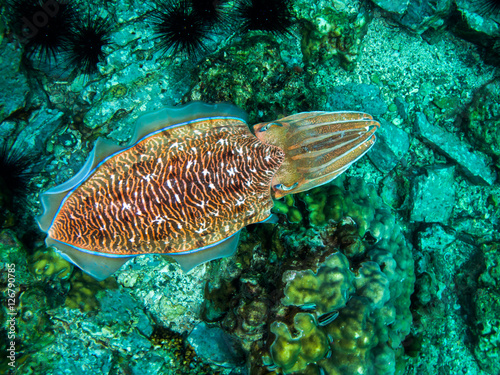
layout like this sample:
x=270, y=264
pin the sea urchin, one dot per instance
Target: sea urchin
x=273, y=16
x=44, y=27
x=14, y=175
x=179, y=28
x=86, y=43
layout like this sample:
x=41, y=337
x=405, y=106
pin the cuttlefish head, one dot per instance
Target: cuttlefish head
x=318, y=147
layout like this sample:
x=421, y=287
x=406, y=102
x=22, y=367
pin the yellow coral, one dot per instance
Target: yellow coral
x=47, y=264
x=326, y=290
x=295, y=353
x=287, y=207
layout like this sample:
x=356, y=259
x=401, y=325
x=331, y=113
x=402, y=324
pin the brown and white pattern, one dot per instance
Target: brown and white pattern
x=177, y=190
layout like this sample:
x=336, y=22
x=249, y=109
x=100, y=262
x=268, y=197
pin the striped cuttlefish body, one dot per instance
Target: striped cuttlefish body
x=190, y=179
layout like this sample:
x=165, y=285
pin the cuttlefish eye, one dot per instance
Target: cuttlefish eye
x=269, y=125
x=283, y=187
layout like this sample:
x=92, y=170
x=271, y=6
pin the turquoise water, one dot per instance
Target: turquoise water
x=391, y=268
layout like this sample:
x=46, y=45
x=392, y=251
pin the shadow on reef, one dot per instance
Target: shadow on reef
x=326, y=298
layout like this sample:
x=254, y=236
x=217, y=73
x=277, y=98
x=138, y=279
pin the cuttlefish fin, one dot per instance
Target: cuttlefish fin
x=223, y=249
x=98, y=266
x=318, y=147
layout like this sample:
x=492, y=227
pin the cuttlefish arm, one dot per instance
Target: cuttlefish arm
x=318, y=146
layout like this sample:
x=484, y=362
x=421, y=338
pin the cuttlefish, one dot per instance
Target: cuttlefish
x=190, y=179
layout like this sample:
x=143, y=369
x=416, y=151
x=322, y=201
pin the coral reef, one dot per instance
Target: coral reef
x=337, y=302
x=433, y=81
x=373, y=301
x=250, y=72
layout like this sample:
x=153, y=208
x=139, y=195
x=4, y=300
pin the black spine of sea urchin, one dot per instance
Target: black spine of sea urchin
x=43, y=26
x=273, y=16
x=14, y=175
x=487, y=8
x=86, y=42
x=178, y=28
x=212, y=12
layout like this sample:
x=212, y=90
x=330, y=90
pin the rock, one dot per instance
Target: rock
x=435, y=239
x=216, y=346
x=432, y=195
x=392, y=143
x=422, y=15
x=14, y=85
x=402, y=107
x=356, y=97
x=417, y=15
x=476, y=23
x=473, y=164
x=398, y=7
x=40, y=127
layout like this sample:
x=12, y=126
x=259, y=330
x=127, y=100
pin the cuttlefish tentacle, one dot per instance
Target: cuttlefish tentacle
x=318, y=146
